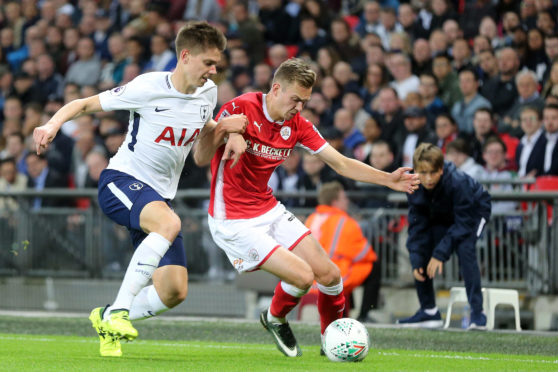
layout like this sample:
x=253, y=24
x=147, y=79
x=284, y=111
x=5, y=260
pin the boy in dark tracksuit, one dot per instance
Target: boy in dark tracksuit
x=446, y=214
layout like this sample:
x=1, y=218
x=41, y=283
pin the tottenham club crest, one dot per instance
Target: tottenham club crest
x=136, y=186
x=204, y=112
x=285, y=133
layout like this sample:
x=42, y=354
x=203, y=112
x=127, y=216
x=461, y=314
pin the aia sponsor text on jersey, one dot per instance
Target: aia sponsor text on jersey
x=168, y=135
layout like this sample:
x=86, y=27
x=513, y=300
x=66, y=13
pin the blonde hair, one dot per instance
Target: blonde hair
x=295, y=70
x=428, y=153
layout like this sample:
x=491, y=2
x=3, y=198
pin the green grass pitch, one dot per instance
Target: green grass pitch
x=70, y=344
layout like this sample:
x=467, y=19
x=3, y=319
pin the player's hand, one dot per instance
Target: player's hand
x=234, y=123
x=235, y=147
x=419, y=274
x=43, y=136
x=434, y=266
x=403, y=181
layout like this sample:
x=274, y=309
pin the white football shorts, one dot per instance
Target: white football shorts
x=248, y=243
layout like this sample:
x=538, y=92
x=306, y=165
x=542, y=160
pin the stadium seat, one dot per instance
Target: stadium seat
x=491, y=298
x=352, y=21
x=546, y=183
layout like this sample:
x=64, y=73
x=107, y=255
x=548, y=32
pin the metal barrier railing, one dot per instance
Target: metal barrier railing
x=519, y=249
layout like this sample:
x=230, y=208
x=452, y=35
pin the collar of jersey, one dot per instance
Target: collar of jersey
x=173, y=88
x=266, y=113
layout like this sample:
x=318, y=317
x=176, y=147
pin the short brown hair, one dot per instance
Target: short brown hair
x=429, y=153
x=199, y=36
x=329, y=192
x=295, y=70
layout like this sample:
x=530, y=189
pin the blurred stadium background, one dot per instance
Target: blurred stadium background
x=58, y=253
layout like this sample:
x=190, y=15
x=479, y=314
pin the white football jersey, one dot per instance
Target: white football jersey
x=164, y=125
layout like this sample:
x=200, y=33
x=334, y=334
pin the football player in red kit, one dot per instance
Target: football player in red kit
x=252, y=227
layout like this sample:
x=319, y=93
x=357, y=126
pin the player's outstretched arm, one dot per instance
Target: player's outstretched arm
x=43, y=135
x=398, y=180
x=213, y=136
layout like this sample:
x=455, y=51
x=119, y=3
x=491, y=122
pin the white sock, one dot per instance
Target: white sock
x=334, y=290
x=432, y=311
x=142, y=265
x=147, y=304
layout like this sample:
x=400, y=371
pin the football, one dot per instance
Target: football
x=346, y=340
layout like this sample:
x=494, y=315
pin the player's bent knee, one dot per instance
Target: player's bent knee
x=175, y=295
x=331, y=277
x=169, y=226
x=304, y=280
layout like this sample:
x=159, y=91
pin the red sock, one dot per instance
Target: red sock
x=282, y=302
x=330, y=308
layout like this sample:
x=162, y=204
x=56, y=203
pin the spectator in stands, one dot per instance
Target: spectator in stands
x=407, y=18
x=87, y=69
x=288, y=175
x=370, y=19
x=49, y=81
x=41, y=176
x=550, y=120
x=530, y=153
x=84, y=145
x=494, y=155
x=527, y=84
x=345, y=77
x=552, y=80
x=278, y=54
x=446, y=131
x=375, y=79
x=551, y=52
x=311, y=40
x=448, y=81
x=10, y=180
x=422, y=60
x=341, y=237
x=428, y=90
x=457, y=152
x=391, y=113
x=484, y=126
x=250, y=32
x=404, y=80
x=96, y=162
x=262, y=77
x=388, y=25
x=501, y=90
x=345, y=123
x=344, y=42
x=536, y=60
x=352, y=102
x=113, y=71
x=372, y=133
x=327, y=58
x=416, y=132
x=464, y=110
x=280, y=27
x=461, y=54
x=162, y=58
x=438, y=42
x=112, y=133
x=446, y=215
x=315, y=174
x=488, y=65
x=15, y=150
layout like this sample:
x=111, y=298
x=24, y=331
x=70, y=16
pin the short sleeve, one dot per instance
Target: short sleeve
x=126, y=97
x=310, y=138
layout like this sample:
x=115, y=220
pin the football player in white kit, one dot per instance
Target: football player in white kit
x=253, y=228
x=168, y=112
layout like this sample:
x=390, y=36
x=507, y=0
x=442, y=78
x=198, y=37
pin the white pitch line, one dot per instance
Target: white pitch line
x=269, y=347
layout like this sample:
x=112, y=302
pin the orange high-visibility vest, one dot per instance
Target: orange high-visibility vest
x=342, y=238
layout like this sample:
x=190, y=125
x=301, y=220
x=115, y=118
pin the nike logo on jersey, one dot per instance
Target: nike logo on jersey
x=259, y=126
x=157, y=109
x=234, y=106
x=144, y=264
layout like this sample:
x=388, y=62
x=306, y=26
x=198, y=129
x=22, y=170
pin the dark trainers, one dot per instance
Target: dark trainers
x=422, y=320
x=478, y=321
x=282, y=335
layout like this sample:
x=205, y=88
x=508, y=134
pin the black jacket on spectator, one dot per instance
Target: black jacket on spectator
x=501, y=94
x=442, y=219
x=553, y=171
x=53, y=180
x=536, y=158
x=280, y=27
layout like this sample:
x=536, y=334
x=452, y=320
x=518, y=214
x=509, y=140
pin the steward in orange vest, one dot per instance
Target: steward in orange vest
x=341, y=236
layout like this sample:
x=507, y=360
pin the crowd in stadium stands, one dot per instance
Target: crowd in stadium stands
x=472, y=76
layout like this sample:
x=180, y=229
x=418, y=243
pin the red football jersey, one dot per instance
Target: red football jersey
x=242, y=192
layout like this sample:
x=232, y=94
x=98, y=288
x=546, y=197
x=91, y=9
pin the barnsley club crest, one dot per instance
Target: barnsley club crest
x=204, y=112
x=285, y=133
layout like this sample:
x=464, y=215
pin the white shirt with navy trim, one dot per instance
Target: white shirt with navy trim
x=164, y=124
